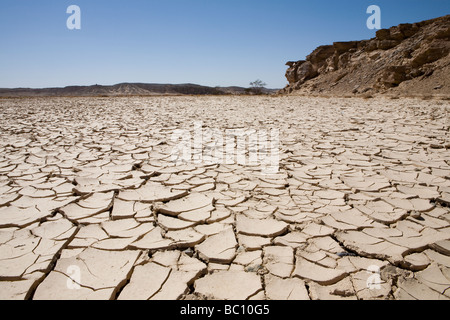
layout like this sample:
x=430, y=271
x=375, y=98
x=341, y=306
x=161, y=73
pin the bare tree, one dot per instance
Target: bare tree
x=257, y=86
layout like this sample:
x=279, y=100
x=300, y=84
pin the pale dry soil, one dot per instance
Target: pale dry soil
x=93, y=207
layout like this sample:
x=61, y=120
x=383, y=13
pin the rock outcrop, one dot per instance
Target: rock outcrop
x=407, y=59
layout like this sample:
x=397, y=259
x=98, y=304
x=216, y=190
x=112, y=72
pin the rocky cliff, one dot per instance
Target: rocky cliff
x=406, y=60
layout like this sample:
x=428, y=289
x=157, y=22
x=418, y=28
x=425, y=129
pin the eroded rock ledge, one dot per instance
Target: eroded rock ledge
x=405, y=59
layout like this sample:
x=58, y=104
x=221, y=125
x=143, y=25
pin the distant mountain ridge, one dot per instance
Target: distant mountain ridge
x=126, y=89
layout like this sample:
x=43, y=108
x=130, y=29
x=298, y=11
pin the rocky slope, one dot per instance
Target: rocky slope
x=406, y=60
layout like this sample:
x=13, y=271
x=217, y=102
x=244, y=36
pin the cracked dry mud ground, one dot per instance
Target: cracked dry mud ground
x=92, y=207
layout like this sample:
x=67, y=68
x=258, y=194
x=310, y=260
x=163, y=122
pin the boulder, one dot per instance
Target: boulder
x=341, y=47
x=429, y=54
x=306, y=71
x=291, y=73
x=344, y=60
x=408, y=30
x=392, y=76
x=403, y=31
x=443, y=32
x=383, y=34
x=319, y=55
x=387, y=44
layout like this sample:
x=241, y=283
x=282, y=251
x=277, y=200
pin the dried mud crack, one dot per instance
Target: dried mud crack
x=93, y=206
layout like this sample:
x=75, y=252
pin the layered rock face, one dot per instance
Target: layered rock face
x=407, y=59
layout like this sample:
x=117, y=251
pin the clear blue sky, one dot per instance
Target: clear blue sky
x=209, y=42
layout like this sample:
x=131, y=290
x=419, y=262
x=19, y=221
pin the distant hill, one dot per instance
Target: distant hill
x=126, y=89
x=406, y=60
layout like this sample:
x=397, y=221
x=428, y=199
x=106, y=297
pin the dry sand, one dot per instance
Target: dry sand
x=93, y=207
